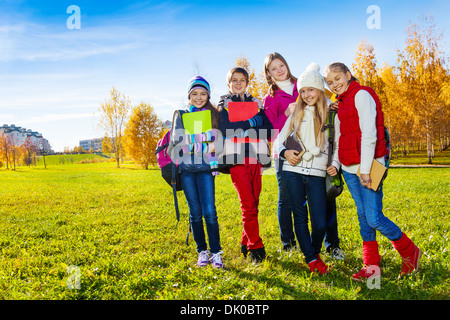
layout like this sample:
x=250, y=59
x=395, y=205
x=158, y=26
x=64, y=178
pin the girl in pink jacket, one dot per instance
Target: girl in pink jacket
x=279, y=103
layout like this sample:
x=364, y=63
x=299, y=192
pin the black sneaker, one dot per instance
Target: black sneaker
x=244, y=250
x=258, y=255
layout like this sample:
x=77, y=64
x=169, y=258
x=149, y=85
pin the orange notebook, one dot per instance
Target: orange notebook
x=241, y=111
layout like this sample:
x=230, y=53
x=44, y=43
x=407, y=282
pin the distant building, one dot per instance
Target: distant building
x=18, y=135
x=167, y=124
x=94, y=144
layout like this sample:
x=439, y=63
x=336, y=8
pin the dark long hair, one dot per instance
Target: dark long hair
x=215, y=115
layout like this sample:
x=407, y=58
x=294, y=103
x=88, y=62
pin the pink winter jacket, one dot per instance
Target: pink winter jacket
x=275, y=106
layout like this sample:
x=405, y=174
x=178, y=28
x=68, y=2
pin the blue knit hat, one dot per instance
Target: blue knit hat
x=198, y=82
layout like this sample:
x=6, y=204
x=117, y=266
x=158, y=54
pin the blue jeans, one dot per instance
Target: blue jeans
x=299, y=188
x=199, y=189
x=284, y=213
x=369, y=207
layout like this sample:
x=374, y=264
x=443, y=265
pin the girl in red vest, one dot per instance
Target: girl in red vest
x=362, y=140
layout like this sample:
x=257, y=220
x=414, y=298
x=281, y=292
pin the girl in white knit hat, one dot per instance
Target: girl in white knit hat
x=304, y=172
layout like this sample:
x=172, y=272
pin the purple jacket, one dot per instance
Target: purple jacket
x=275, y=106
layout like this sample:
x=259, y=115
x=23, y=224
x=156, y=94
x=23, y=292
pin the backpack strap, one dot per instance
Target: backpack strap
x=337, y=180
x=330, y=129
x=173, y=181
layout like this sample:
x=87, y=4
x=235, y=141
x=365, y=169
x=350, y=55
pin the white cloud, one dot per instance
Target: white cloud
x=5, y=118
x=33, y=42
x=54, y=117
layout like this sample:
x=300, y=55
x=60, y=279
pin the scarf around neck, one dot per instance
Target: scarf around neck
x=193, y=108
x=286, y=85
x=307, y=133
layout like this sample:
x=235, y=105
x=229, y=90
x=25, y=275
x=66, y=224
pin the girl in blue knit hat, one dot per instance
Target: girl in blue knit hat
x=197, y=165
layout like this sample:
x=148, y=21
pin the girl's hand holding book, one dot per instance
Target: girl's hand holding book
x=292, y=157
x=365, y=180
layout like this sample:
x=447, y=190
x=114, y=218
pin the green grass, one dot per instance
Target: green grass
x=118, y=227
x=69, y=159
x=420, y=158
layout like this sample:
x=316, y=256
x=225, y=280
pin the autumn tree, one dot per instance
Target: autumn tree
x=114, y=113
x=142, y=132
x=30, y=149
x=365, y=66
x=444, y=137
x=414, y=93
x=368, y=74
x=12, y=149
x=258, y=86
x=423, y=74
x=5, y=149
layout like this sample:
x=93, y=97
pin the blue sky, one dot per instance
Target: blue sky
x=53, y=79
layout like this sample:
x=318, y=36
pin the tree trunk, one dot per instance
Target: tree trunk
x=429, y=143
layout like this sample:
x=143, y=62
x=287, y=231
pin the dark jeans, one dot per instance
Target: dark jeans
x=199, y=189
x=331, y=232
x=285, y=218
x=284, y=213
x=299, y=188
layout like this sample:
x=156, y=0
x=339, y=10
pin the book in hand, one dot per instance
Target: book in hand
x=241, y=111
x=378, y=173
x=292, y=144
x=197, y=122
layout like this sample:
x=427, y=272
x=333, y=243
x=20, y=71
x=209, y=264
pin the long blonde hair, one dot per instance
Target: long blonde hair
x=320, y=118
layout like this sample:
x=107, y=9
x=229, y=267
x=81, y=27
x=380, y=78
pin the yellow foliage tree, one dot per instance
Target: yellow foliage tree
x=415, y=94
x=444, y=131
x=423, y=73
x=114, y=113
x=5, y=149
x=258, y=86
x=142, y=132
x=365, y=66
x=399, y=118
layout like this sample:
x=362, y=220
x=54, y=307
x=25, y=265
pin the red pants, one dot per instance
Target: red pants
x=247, y=181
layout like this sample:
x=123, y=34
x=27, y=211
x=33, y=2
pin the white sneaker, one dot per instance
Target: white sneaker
x=338, y=254
x=203, y=258
x=216, y=260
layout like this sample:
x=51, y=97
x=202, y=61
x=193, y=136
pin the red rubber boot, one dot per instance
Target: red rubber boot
x=409, y=252
x=371, y=259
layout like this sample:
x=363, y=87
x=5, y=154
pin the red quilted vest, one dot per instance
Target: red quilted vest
x=350, y=140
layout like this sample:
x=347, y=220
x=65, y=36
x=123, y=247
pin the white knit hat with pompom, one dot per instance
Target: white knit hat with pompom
x=311, y=78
